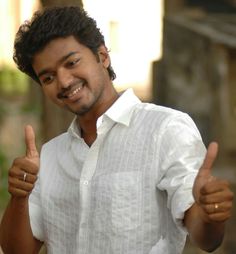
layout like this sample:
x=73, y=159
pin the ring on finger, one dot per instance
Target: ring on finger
x=216, y=206
x=24, y=176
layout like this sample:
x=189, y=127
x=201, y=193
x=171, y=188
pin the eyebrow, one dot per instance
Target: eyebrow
x=61, y=60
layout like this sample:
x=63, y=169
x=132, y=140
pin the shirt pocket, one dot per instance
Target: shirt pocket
x=126, y=200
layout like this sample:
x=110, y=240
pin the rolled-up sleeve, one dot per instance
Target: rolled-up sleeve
x=35, y=213
x=182, y=152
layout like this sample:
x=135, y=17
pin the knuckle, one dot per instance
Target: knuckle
x=15, y=161
x=18, y=160
x=11, y=171
x=9, y=189
x=29, y=187
x=35, y=178
x=205, y=188
x=12, y=181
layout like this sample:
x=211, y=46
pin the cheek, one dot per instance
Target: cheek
x=99, y=75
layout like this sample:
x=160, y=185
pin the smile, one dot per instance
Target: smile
x=69, y=95
x=71, y=92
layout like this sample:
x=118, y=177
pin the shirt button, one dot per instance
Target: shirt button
x=86, y=182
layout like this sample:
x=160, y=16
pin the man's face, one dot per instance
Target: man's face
x=72, y=76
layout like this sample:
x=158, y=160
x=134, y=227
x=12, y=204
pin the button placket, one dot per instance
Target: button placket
x=85, y=182
x=87, y=173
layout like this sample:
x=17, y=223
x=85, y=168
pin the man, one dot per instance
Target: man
x=127, y=177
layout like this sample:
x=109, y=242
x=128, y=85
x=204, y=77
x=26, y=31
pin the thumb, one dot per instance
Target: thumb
x=210, y=157
x=31, y=150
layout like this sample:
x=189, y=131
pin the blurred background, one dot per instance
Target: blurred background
x=177, y=53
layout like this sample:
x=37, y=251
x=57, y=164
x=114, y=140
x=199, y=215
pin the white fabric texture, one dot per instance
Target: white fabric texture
x=127, y=193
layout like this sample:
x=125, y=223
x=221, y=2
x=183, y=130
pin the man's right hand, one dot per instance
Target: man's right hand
x=15, y=230
x=24, y=170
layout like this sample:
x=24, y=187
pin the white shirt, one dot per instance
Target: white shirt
x=127, y=193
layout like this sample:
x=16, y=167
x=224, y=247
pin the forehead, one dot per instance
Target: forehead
x=56, y=49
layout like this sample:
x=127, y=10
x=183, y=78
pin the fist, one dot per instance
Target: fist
x=23, y=173
x=212, y=195
x=216, y=201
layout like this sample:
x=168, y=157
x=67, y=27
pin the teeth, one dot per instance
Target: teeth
x=74, y=92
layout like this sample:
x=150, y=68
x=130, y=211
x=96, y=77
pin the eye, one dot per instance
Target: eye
x=73, y=62
x=47, y=79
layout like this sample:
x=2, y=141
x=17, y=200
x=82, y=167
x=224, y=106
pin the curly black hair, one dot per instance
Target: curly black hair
x=52, y=23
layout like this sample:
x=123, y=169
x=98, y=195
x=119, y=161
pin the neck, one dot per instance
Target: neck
x=88, y=122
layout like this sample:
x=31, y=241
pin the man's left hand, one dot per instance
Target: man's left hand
x=212, y=195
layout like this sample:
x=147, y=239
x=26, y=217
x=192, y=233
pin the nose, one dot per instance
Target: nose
x=64, y=78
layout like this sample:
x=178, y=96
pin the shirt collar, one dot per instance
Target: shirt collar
x=120, y=112
x=122, y=109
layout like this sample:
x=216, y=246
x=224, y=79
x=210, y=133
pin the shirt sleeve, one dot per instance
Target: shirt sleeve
x=182, y=152
x=35, y=213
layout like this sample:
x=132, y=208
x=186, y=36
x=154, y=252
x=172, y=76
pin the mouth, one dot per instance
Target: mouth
x=72, y=92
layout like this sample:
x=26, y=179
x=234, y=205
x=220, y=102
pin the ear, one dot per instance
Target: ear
x=104, y=56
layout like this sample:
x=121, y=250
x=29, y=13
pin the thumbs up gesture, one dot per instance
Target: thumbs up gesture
x=212, y=195
x=23, y=173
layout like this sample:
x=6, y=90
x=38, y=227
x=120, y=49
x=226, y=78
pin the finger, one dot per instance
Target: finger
x=218, y=207
x=17, y=192
x=29, y=178
x=16, y=183
x=217, y=197
x=220, y=217
x=209, y=158
x=23, y=165
x=218, y=185
x=31, y=150
x=23, y=176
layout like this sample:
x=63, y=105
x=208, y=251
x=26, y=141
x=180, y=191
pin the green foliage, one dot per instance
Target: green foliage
x=12, y=81
x=31, y=108
x=2, y=111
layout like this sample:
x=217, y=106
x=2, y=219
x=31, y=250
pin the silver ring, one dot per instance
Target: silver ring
x=216, y=206
x=24, y=176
